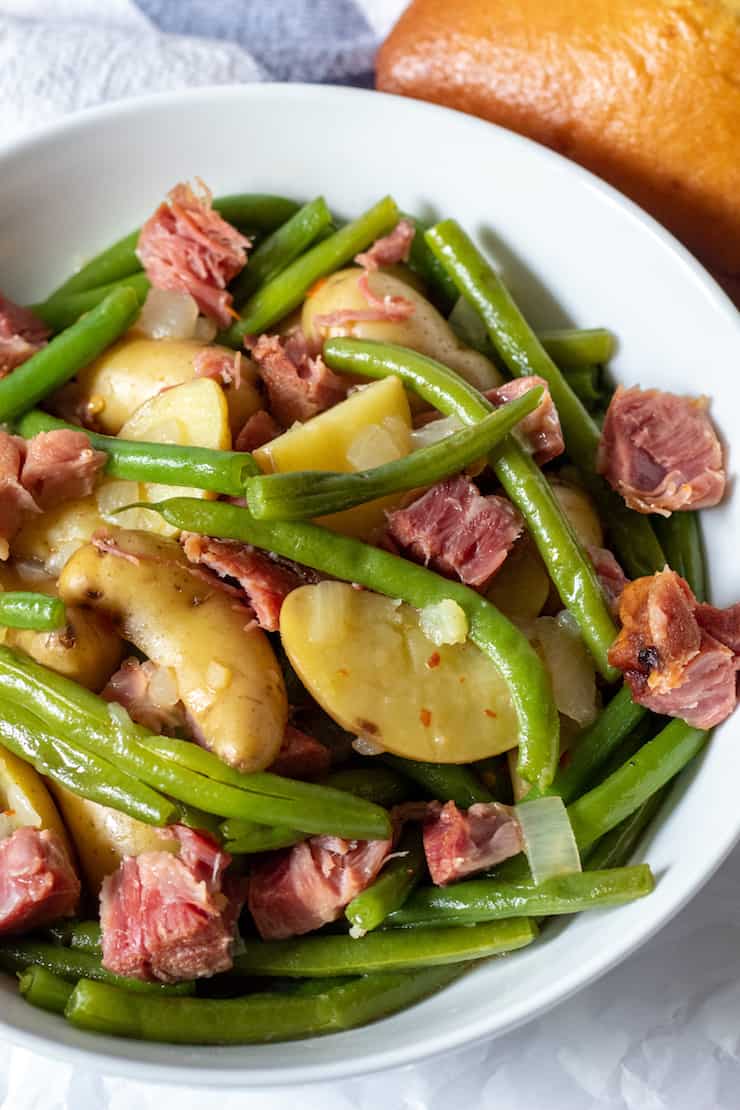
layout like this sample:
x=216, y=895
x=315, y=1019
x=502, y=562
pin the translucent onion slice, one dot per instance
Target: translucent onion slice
x=548, y=838
x=168, y=315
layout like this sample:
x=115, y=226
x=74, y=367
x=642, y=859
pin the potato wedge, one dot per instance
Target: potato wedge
x=103, y=836
x=227, y=675
x=371, y=427
x=25, y=800
x=580, y=510
x=50, y=538
x=367, y=662
x=135, y=369
x=426, y=330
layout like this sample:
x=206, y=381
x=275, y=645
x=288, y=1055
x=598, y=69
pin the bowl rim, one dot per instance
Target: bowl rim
x=215, y=1076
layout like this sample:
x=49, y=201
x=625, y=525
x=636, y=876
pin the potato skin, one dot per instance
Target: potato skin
x=227, y=675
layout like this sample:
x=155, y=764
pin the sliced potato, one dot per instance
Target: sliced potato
x=373, y=426
x=581, y=512
x=104, y=836
x=227, y=675
x=24, y=799
x=522, y=585
x=193, y=414
x=367, y=662
x=426, y=330
x=135, y=369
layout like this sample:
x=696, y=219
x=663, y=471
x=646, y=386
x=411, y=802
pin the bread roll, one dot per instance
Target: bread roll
x=646, y=93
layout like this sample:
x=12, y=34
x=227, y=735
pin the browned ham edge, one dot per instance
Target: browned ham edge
x=661, y=452
x=38, y=883
x=459, y=842
x=21, y=335
x=299, y=385
x=610, y=575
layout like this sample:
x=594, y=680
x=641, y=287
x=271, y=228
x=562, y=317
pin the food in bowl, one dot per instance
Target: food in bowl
x=321, y=573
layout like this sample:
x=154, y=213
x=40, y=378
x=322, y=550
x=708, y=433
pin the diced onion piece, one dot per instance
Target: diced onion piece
x=571, y=667
x=328, y=614
x=374, y=445
x=363, y=746
x=434, y=431
x=218, y=676
x=168, y=315
x=163, y=687
x=548, y=838
x=444, y=623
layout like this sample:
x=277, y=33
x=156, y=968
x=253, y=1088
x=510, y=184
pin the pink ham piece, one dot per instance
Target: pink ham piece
x=298, y=385
x=661, y=452
x=186, y=246
x=167, y=917
x=390, y=249
x=134, y=686
x=222, y=366
x=37, y=881
x=678, y=657
x=301, y=757
x=457, y=530
x=386, y=309
x=304, y=887
x=458, y=842
x=21, y=335
x=611, y=576
x=15, y=500
x=259, y=429
x=60, y=466
x=265, y=582
x=540, y=431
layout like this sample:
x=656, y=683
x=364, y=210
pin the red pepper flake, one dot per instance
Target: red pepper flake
x=8, y=813
x=434, y=660
x=490, y=713
x=425, y=717
x=317, y=285
x=461, y=679
x=343, y=672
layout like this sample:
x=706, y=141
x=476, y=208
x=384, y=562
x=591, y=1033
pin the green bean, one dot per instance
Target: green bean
x=618, y=846
x=260, y=838
x=447, y=782
x=389, y=950
x=86, y=774
x=286, y=243
x=680, y=536
x=376, y=784
x=23, y=609
x=568, y=565
x=349, y=559
x=584, y=381
x=475, y=900
x=44, y=990
x=439, y=285
x=645, y=730
x=73, y=964
x=392, y=887
x=200, y=467
x=523, y=354
x=655, y=764
x=256, y=1019
x=578, y=348
x=84, y=935
x=64, y=355
x=62, y=311
x=281, y=295
x=303, y=494
x=259, y=211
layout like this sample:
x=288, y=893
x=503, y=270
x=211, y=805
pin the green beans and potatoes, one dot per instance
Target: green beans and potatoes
x=300, y=495
x=222, y=472
x=25, y=609
x=349, y=559
x=67, y=353
x=568, y=565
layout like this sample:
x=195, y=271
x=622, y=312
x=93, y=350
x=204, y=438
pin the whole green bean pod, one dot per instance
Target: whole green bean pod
x=439, y=285
x=578, y=348
x=522, y=353
x=67, y=353
x=24, y=609
x=447, y=782
x=392, y=887
x=568, y=565
x=222, y=472
x=376, y=784
x=44, y=990
x=388, y=950
x=617, y=847
x=655, y=764
x=256, y=1019
x=680, y=536
x=282, y=247
x=349, y=559
x=584, y=381
x=73, y=964
x=286, y=291
x=62, y=311
x=302, y=494
x=260, y=838
x=475, y=900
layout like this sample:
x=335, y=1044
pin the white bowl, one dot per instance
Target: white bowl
x=574, y=252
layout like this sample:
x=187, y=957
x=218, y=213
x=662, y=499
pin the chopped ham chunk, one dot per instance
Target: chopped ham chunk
x=540, y=431
x=37, y=881
x=222, y=366
x=304, y=887
x=298, y=385
x=186, y=246
x=390, y=249
x=259, y=429
x=661, y=452
x=458, y=842
x=611, y=576
x=167, y=917
x=15, y=500
x=457, y=530
x=59, y=466
x=301, y=757
x=149, y=695
x=21, y=335
x=678, y=657
x=265, y=582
